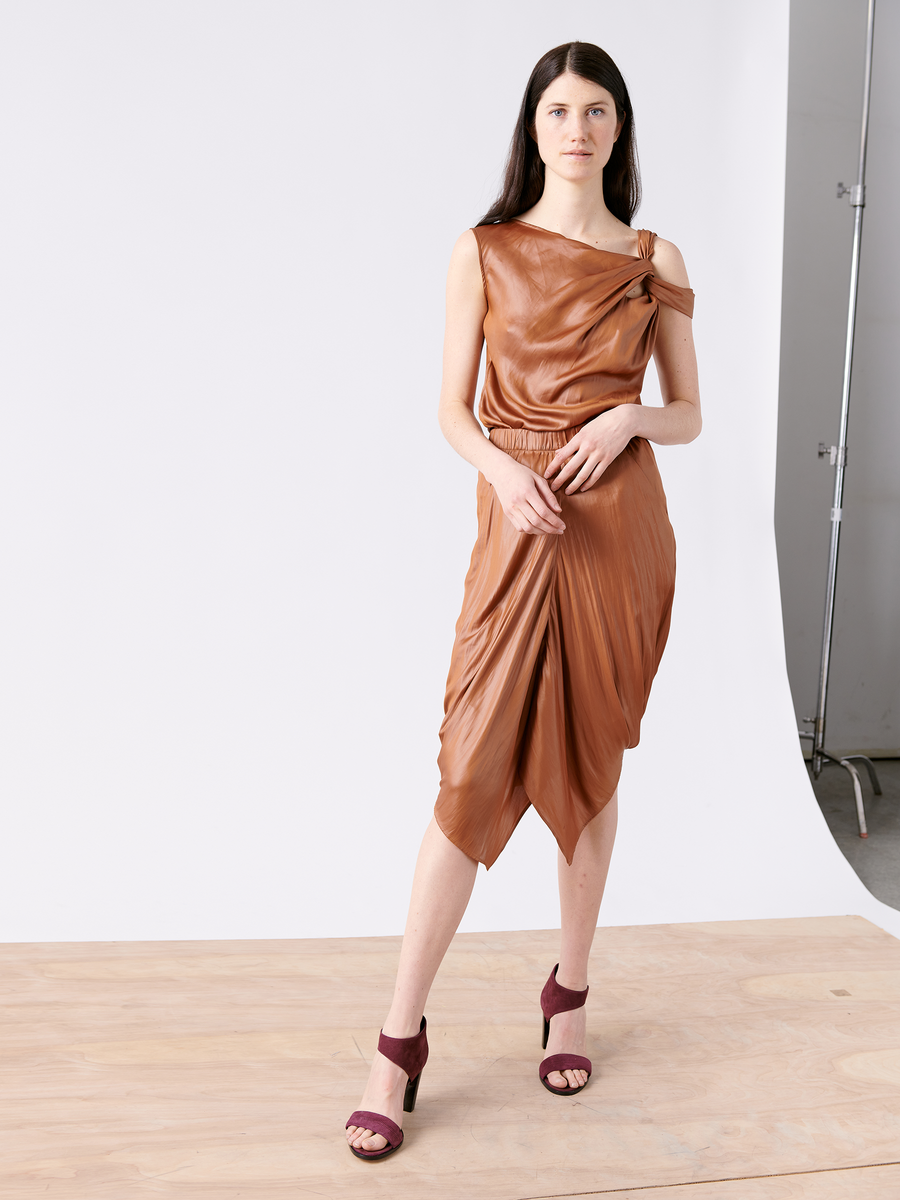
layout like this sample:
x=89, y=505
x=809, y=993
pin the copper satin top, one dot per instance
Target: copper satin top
x=563, y=340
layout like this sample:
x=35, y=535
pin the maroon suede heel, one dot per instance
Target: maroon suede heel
x=557, y=999
x=410, y=1055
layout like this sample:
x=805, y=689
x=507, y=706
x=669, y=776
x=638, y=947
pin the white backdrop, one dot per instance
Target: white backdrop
x=233, y=538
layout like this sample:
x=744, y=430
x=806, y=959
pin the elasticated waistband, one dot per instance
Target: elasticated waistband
x=532, y=439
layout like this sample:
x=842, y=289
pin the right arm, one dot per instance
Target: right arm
x=526, y=497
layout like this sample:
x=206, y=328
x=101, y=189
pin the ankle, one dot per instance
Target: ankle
x=572, y=981
x=402, y=1025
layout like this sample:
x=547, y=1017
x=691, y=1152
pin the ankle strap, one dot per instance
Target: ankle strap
x=557, y=999
x=409, y=1054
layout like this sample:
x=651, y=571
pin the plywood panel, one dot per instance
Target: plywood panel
x=723, y=1052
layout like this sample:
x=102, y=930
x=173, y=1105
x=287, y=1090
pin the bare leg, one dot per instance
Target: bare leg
x=580, y=892
x=441, y=889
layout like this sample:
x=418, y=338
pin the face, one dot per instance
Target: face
x=575, y=126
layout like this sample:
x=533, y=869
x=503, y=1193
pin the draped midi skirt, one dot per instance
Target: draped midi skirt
x=556, y=647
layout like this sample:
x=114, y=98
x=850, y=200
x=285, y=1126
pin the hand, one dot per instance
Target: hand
x=583, y=459
x=526, y=499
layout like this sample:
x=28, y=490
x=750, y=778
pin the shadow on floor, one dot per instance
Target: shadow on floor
x=876, y=860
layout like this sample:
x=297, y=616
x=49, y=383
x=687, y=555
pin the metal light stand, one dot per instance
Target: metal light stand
x=838, y=458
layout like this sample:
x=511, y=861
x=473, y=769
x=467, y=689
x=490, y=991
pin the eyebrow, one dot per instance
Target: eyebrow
x=563, y=104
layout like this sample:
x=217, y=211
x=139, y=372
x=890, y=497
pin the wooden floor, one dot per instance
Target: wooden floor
x=741, y=1060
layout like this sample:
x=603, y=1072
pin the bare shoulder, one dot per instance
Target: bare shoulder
x=465, y=264
x=465, y=251
x=669, y=264
x=465, y=285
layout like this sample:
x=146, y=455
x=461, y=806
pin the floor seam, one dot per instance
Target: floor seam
x=649, y=1187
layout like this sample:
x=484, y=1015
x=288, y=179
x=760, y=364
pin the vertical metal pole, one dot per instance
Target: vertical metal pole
x=858, y=201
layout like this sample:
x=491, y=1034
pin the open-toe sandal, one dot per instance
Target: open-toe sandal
x=557, y=999
x=410, y=1055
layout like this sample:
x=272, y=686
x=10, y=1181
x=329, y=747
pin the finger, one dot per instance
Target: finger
x=563, y=472
x=567, y=470
x=522, y=512
x=575, y=484
x=537, y=504
x=547, y=494
x=524, y=521
x=534, y=525
x=563, y=453
x=533, y=521
x=570, y=470
x=544, y=517
x=538, y=498
x=594, y=477
x=538, y=524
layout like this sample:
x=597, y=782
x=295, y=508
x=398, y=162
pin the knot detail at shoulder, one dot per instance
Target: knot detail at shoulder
x=646, y=240
x=671, y=294
x=679, y=298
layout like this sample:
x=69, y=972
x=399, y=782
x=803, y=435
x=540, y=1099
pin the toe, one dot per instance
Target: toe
x=374, y=1141
x=567, y=1079
x=365, y=1139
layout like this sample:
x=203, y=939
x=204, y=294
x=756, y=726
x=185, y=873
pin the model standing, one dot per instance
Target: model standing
x=568, y=595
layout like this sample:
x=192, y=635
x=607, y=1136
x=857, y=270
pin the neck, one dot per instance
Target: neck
x=575, y=210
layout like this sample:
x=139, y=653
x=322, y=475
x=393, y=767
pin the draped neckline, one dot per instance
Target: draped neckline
x=578, y=242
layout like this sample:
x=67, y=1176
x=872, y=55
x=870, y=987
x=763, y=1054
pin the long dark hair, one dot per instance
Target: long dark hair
x=524, y=180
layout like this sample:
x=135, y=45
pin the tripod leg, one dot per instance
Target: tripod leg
x=857, y=790
x=870, y=767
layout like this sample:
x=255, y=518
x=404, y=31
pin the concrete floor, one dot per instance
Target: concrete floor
x=876, y=860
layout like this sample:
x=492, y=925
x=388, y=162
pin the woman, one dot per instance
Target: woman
x=567, y=599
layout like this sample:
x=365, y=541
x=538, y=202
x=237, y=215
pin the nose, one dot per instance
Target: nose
x=577, y=131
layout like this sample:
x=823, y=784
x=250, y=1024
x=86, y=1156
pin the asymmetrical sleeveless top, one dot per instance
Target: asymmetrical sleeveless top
x=563, y=340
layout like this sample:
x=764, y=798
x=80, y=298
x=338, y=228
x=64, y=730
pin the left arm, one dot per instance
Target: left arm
x=581, y=462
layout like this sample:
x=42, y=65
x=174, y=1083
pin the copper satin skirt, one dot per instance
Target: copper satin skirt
x=556, y=647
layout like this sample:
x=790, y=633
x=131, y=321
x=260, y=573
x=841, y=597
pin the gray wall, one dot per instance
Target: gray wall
x=827, y=48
